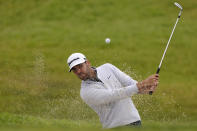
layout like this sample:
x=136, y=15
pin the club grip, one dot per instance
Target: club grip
x=158, y=69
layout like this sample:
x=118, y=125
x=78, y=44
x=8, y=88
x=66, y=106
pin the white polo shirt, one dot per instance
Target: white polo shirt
x=111, y=98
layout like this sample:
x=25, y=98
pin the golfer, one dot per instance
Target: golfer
x=108, y=91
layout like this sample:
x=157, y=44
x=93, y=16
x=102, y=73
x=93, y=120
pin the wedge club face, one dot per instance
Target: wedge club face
x=178, y=5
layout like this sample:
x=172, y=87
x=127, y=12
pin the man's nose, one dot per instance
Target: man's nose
x=78, y=71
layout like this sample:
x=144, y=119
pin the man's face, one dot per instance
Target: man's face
x=82, y=70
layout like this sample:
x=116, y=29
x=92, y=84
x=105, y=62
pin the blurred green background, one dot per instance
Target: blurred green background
x=37, y=36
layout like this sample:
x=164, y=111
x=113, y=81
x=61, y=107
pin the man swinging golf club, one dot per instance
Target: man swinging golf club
x=108, y=91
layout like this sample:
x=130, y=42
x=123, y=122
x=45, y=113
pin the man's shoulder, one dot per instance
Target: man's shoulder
x=88, y=87
x=84, y=87
x=85, y=83
x=106, y=65
x=88, y=84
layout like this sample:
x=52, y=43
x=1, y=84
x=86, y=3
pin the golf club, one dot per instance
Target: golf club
x=158, y=69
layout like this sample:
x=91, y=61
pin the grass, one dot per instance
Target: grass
x=24, y=122
x=36, y=37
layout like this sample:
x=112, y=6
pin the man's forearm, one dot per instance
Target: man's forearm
x=104, y=96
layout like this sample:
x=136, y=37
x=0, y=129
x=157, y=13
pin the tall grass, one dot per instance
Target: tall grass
x=36, y=37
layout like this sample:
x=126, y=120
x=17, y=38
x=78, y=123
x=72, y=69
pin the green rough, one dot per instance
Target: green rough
x=37, y=36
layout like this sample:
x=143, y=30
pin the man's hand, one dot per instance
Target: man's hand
x=149, y=84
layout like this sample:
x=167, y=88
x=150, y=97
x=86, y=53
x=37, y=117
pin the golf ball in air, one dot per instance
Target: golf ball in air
x=107, y=40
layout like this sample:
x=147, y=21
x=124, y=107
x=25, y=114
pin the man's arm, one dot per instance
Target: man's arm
x=144, y=87
x=124, y=79
x=96, y=96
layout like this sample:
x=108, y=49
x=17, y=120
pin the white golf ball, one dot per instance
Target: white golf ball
x=107, y=40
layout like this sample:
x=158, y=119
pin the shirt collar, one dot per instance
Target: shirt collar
x=95, y=79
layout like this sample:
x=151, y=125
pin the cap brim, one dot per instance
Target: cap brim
x=77, y=62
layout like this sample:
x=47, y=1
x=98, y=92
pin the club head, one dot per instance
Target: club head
x=177, y=4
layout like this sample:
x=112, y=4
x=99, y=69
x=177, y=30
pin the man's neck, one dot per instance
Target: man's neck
x=93, y=73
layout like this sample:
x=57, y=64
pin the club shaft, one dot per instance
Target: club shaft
x=158, y=69
x=168, y=44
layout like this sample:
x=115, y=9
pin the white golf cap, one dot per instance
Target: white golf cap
x=75, y=59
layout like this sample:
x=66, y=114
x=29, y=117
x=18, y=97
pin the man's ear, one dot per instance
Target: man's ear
x=88, y=63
